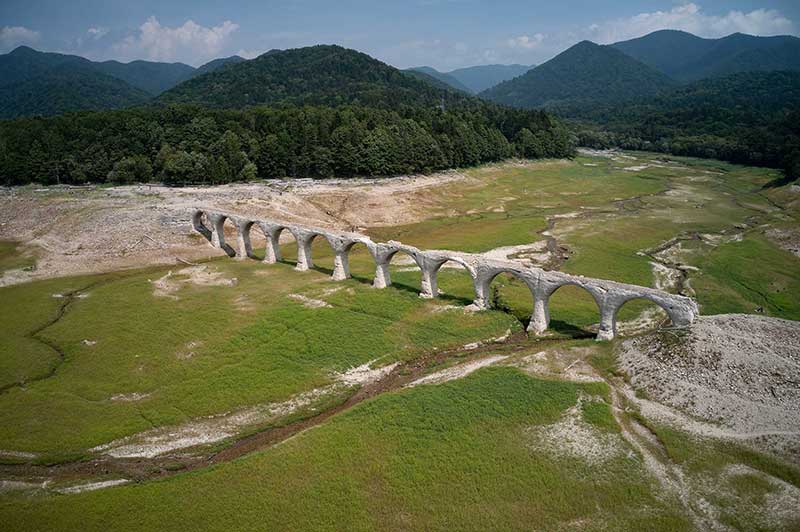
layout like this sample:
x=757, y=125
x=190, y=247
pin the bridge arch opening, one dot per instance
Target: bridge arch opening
x=228, y=237
x=455, y=282
x=256, y=238
x=405, y=271
x=361, y=265
x=508, y=291
x=573, y=311
x=641, y=314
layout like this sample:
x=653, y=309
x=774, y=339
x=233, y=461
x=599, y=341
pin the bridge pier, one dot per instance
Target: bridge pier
x=341, y=255
x=540, y=319
x=430, y=269
x=304, y=239
x=272, y=250
x=244, y=248
x=382, y=255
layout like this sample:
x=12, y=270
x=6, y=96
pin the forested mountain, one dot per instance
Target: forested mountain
x=68, y=87
x=585, y=75
x=211, y=66
x=24, y=63
x=445, y=78
x=149, y=76
x=315, y=75
x=748, y=117
x=482, y=77
x=687, y=57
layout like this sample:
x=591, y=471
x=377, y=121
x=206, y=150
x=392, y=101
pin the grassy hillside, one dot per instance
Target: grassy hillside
x=584, y=75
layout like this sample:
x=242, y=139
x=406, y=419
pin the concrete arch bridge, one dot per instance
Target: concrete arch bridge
x=609, y=295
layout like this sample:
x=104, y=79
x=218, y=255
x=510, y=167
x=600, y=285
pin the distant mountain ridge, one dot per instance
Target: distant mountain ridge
x=24, y=63
x=687, y=57
x=482, y=77
x=587, y=74
x=443, y=77
x=46, y=83
x=475, y=79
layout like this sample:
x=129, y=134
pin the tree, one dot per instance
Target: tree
x=136, y=169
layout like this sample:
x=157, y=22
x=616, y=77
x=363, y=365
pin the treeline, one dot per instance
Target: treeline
x=192, y=145
x=747, y=118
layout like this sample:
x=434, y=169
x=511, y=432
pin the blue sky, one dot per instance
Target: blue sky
x=445, y=34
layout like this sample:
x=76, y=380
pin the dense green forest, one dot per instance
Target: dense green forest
x=748, y=118
x=316, y=75
x=193, y=144
x=68, y=88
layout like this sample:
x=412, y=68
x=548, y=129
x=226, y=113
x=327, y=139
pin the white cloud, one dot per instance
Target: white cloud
x=13, y=36
x=525, y=42
x=191, y=42
x=690, y=17
x=97, y=33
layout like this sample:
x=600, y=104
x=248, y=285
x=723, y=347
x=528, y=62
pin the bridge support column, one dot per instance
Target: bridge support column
x=382, y=276
x=540, y=319
x=608, y=322
x=197, y=223
x=217, y=230
x=341, y=265
x=244, y=248
x=218, y=234
x=304, y=239
x=272, y=253
x=430, y=270
x=482, y=293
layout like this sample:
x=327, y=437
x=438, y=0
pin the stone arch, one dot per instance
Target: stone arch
x=201, y=223
x=272, y=233
x=486, y=276
x=342, y=244
x=304, y=238
x=216, y=228
x=383, y=254
x=229, y=224
x=541, y=318
x=677, y=314
x=244, y=245
x=462, y=265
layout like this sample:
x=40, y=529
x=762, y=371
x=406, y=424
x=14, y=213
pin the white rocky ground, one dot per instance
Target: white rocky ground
x=162, y=440
x=79, y=230
x=741, y=373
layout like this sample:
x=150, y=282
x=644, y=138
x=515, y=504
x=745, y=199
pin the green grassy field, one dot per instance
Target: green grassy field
x=465, y=455
x=456, y=456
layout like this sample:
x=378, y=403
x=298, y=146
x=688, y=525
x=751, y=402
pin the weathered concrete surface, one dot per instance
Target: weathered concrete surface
x=609, y=295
